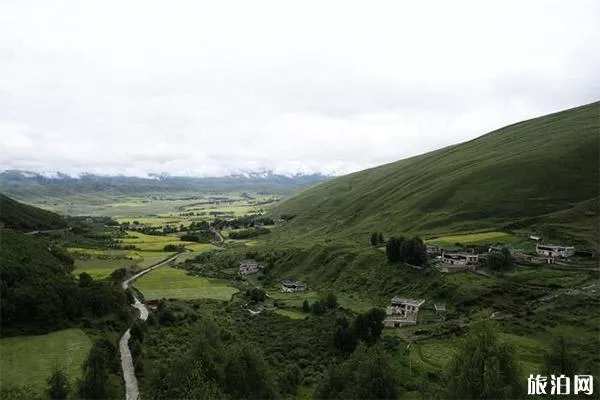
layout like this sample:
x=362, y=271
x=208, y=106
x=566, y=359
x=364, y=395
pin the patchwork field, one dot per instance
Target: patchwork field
x=172, y=283
x=29, y=360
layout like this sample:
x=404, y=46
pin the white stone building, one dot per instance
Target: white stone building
x=549, y=250
x=402, y=312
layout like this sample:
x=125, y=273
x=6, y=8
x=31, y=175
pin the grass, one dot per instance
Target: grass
x=174, y=283
x=483, y=184
x=549, y=277
x=291, y=314
x=530, y=351
x=475, y=238
x=101, y=263
x=295, y=299
x=29, y=360
x=100, y=269
x=437, y=352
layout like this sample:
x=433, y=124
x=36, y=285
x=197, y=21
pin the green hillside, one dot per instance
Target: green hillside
x=527, y=175
x=27, y=218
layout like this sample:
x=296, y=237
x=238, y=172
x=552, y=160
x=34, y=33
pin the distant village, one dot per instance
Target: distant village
x=403, y=311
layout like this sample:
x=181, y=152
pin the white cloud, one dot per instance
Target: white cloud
x=207, y=88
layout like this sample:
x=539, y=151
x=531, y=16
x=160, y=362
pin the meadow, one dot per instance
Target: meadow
x=29, y=360
x=476, y=238
x=172, y=283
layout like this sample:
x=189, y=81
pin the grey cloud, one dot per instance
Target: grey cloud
x=210, y=88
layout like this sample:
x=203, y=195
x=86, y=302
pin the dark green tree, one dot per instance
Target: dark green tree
x=367, y=374
x=374, y=239
x=256, y=295
x=392, y=249
x=247, y=375
x=381, y=239
x=368, y=326
x=484, y=368
x=100, y=363
x=344, y=337
x=413, y=251
x=58, y=385
x=330, y=301
x=305, y=306
x=85, y=279
x=561, y=359
x=500, y=260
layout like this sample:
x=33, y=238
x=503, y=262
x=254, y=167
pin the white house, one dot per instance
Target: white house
x=459, y=258
x=549, y=250
x=248, y=267
x=402, y=312
x=290, y=285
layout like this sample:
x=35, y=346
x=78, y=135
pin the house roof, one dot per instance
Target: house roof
x=292, y=282
x=410, y=302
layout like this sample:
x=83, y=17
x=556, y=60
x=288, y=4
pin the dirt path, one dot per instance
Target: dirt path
x=131, y=383
x=218, y=235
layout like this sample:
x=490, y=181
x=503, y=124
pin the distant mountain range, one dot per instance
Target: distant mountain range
x=27, y=184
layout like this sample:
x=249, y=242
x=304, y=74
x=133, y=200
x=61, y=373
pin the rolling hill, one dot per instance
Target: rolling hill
x=540, y=174
x=27, y=218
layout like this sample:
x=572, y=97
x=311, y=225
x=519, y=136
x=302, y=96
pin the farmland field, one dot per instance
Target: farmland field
x=174, y=283
x=99, y=268
x=476, y=238
x=29, y=360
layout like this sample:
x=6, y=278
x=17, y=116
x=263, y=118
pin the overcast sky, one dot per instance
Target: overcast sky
x=208, y=88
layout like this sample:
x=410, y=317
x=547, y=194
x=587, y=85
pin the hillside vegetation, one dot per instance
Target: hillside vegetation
x=27, y=218
x=540, y=174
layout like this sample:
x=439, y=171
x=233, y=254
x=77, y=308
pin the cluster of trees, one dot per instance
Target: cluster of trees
x=247, y=221
x=367, y=374
x=249, y=233
x=256, y=295
x=101, y=373
x=367, y=328
x=377, y=239
x=174, y=247
x=199, y=236
x=500, y=260
x=38, y=293
x=321, y=306
x=408, y=250
x=215, y=366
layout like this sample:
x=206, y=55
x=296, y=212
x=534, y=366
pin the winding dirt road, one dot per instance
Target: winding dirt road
x=131, y=383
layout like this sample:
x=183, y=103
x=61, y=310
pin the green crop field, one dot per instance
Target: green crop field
x=167, y=282
x=99, y=268
x=29, y=360
x=100, y=263
x=475, y=238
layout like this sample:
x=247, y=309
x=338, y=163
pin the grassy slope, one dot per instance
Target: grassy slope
x=27, y=218
x=29, y=360
x=544, y=166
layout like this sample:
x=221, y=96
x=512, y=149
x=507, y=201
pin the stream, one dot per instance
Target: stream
x=131, y=383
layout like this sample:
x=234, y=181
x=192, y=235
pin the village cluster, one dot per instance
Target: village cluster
x=248, y=267
x=405, y=311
